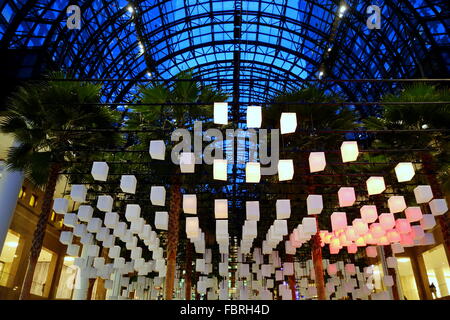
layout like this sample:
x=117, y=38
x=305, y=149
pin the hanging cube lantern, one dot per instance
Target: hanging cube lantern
x=387, y=221
x=350, y=269
x=157, y=149
x=93, y=250
x=132, y=212
x=338, y=221
x=360, y=226
x=222, y=228
x=73, y=250
x=283, y=208
x=393, y=236
x=254, y=117
x=417, y=232
x=200, y=265
x=99, y=171
x=402, y=226
x=79, y=230
x=428, y=239
x=369, y=214
x=317, y=161
x=60, y=205
x=158, y=196
x=391, y=262
x=66, y=237
x=85, y=213
x=351, y=234
x=70, y=220
x=288, y=122
x=220, y=169
x=427, y=222
x=190, y=203
x=221, y=113
x=413, y=214
x=314, y=204
x=369, y=239
x=423, y=194
x=397, y=248
x=438, y=207
x=187, y=162
x=161, y=220
x=252, y=172
x=120, y=229
x=375, y=185
x=105, y=203
x=371, y=251
x=221, y=208
x=137, y=225
x=396, y=204
x=404, y=171
x=252, y=210
x=111, y=219
x=128, y=184
x=285, y=170
x=94, y=225
x=309, y=225
x=383, y=241
x=346, y=196
x=388, y=281
x=352, y=248
x=360, y=242
x=377, y=230
x=99, y=262
x=280, y=227
x=332, y=269
x=78, y=193
x=349, y=151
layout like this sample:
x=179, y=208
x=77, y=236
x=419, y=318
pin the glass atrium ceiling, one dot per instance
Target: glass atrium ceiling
x=248, y=48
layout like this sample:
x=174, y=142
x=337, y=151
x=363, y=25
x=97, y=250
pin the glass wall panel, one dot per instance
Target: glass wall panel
x=9, y=259
x=438, y=271
x=67, y=279
x=42, y=278
x=407, y=280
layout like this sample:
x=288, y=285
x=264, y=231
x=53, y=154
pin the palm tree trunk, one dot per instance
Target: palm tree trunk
x=39, y=233
x=172, y=235
x=188, y=275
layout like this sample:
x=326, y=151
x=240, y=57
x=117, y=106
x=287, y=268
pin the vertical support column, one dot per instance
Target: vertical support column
x=80, y=291
x=10, y=184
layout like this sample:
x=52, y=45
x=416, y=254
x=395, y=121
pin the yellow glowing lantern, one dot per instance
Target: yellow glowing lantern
x=375, y=185
x=396, y=204
x=288, y=122
x=253, y=172
x=285, y=170
x=404, y=171
x=220, y=169
x=349, y=151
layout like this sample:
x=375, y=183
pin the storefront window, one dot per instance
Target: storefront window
x=438, y=271
x=9, y=259
x=67, y=279
x=378, y=275
x=407, y=280
x=42, y=278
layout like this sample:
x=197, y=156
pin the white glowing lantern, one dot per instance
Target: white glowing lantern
x=221, y=208
x=105, y=203
x=314, y=204
x=393, y=236
x=132, y=212
x=157, y=149
x=338, y=221
x=360, y=226
x=93, y=250
x=371, y=251
x=79, y=230
x=220, y=168
x=317, y=161
x=60, y=205
x=396, y=204
x=190, y=203
x=161, y=220
x=187, y=162
x=387, y=221
x=73, y=250
x=280, y=227
x=346, y=196
x=375, y=185
x=285, y=170
x=99, y=171
x=94, y=225
x=158, y=196
x=111, y=219
x=66, y=237
x=438, y=207
x=423, y=194
x=413, y=214
x=404, y=171
x=221, y=113
x=70, y=220
x=397, y=248
x=254, y=117
x=417, y=232
x=78, y=193
x=200, y=265
x=253, y=172
x=283, y=208
x=128, y=183
x=349, y=151
x=137, y=225
x=309, y=225
x=192, y=227
x=369, y=214
x=288, y=122
x=252, y=210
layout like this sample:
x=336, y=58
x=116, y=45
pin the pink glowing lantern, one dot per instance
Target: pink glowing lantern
x=332, y=269
x=371, y=251
x=346, y=196
x=383, y=241
x=360, y=226
x=393, y=236
x=335, y=243
x=369, y=239
x=352, y=248
x=413, y=214
x=369, y=214
x=387, y=221
x=375, y=185
x=406, y=239
x=334, y=250
x=338, y=221
x=360, y=242
x=343, y=239
x=402, y=226
x=351, y=234
x=376, y=230
x=396, y=204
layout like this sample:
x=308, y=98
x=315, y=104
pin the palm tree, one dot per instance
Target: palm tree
x=47, y=118
x=169, y=115
x=311, y=116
